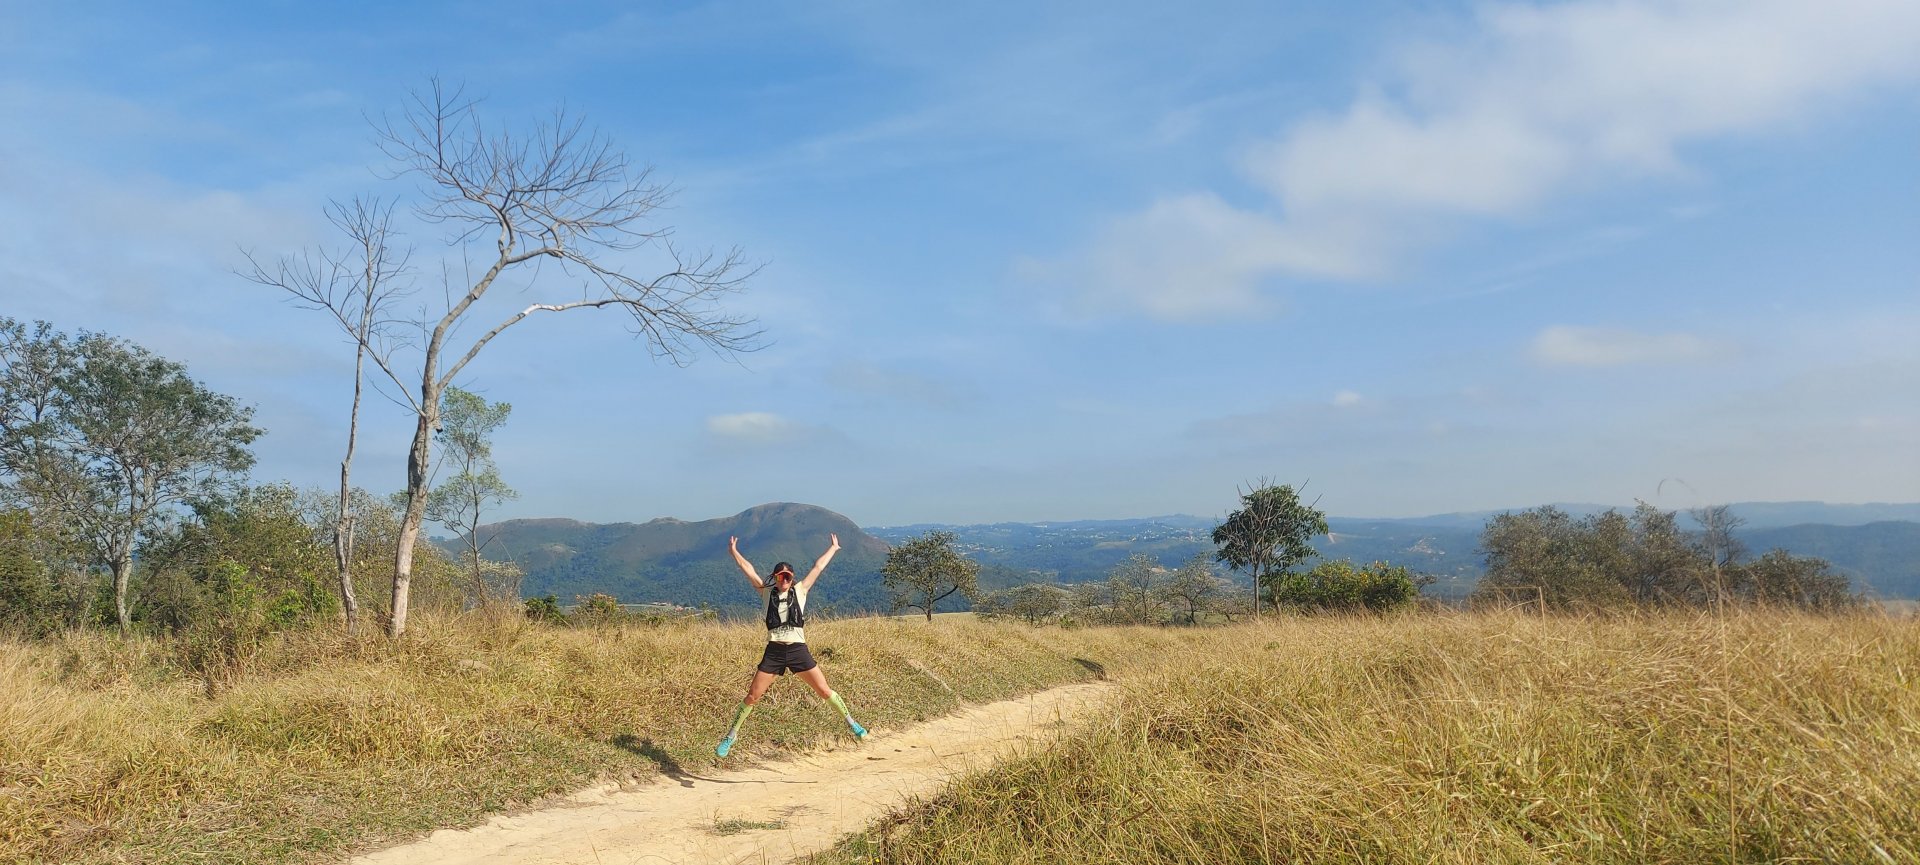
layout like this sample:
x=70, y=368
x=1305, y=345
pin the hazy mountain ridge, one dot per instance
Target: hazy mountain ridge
x=1881, y=557
x=675, y=561
x=1758, y=515
x=683, y=562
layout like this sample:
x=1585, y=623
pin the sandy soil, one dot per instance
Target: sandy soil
x=771, y=812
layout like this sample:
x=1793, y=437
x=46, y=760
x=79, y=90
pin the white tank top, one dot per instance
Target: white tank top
x=784, y=634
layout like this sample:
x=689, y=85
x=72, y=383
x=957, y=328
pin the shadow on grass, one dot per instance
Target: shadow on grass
x=1098, y=669
x=672, y=769
x=668, y=766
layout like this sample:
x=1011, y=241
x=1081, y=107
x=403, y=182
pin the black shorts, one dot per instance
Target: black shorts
x=781, y=658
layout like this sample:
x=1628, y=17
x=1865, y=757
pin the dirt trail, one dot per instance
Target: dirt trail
x=813, y=799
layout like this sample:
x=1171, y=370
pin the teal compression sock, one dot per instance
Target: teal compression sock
x=738, y=718
x=834, y=698
x=859, y=732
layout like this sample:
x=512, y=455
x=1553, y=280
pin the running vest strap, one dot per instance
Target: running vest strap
x=795, y=618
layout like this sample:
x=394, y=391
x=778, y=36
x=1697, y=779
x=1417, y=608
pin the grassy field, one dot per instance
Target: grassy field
x=1419, y=739
x=1470, y=739
x=110, y=753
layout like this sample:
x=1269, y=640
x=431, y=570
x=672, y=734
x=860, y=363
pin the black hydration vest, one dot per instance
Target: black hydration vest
x=795, y=618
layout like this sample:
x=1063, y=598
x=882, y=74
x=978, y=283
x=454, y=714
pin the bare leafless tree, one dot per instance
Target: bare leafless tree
x=357, y=286
x=559, y=194
x=1717, y=526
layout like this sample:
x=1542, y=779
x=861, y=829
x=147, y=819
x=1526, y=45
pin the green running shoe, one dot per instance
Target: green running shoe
x=727, y=745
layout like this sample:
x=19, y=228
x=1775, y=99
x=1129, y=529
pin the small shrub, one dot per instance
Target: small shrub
x=598, y=608
x=545, y=609
x=1339, y=586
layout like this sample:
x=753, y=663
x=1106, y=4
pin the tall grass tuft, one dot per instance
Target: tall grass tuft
x=1764, y=737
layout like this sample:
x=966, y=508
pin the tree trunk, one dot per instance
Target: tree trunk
x=122, y=569
x=343, y=557
x=410, y=522
x=343, y=526
x=481, y=598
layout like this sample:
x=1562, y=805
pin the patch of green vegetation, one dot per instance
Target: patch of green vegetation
x=736, y=827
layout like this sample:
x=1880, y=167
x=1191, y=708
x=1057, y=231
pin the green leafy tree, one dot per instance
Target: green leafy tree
x=1780, y=578
x=284, y=562
x=1039, y=603
x=1546, y=553
x=1090, y=603
x=35, y=476
x=1033, y=603
x=926, y=570
x=545, y=608
x=1271, y=532
x=34, y=362
x=1666, y=566
x=1135, y=587
x=26, y=590
x=1612, y=560
x=1193, y=589
x=468, y=422
x=993, y=605
x=598, y=608
x=1341, y=586
x=118, y=438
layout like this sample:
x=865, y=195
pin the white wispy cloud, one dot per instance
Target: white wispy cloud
x=1529, y=104
x=1195, y=256
x=1563, y=345
x=757, y=427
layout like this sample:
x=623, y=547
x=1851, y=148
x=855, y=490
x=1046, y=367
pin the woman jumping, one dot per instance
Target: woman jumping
x=786, y=603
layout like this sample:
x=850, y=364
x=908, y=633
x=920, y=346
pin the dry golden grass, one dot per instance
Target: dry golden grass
x=1471, y=739
x=1769, y=737
x=109, y=753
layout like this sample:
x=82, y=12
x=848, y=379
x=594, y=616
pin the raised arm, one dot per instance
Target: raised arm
x=806, y=585
x=746, y=567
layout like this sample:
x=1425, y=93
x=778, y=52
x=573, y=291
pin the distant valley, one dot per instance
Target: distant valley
x=687, y=563
x=673, y=561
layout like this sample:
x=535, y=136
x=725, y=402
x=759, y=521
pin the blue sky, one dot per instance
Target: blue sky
x=1057, y=261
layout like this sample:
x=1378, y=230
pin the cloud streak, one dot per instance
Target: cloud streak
x=1531, y=104
x=757, y=427
x=1562, y=345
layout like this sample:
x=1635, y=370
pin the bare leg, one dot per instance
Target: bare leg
x=755, y=690
x=817, y=679
x=762, y=681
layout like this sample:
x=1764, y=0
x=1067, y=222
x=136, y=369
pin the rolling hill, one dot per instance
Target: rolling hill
x=1881, y=558
x=674, y=561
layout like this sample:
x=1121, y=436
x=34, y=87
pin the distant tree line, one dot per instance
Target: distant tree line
x=1614, y=560
x=1542, y=558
